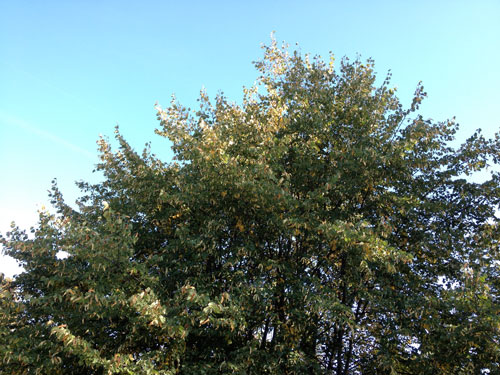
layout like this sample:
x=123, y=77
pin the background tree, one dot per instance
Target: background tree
x=319, y=227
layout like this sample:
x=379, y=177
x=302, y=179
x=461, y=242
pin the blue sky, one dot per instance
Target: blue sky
x=71, y=70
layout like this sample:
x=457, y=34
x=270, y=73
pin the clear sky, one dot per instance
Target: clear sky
x=71, y=70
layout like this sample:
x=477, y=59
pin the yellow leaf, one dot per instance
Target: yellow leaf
x=240, y=226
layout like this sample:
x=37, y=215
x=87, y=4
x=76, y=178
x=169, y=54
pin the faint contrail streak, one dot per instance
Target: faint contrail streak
x=14, y=121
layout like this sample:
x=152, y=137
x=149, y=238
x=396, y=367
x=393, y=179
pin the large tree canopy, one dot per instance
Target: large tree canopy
x=319, y=227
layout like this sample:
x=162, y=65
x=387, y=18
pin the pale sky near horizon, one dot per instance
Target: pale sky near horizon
x=71, y=70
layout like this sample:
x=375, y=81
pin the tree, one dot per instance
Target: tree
x=317, y=228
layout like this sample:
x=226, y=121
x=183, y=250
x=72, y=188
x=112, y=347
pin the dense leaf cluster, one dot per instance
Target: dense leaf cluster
x=317, y=228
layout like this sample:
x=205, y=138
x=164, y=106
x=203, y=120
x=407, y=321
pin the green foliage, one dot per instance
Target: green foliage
x=317, y=228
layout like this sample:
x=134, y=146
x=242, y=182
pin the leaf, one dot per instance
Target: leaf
x=240, y=226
